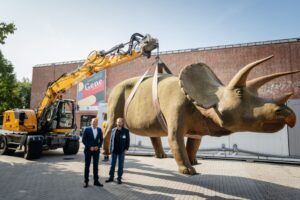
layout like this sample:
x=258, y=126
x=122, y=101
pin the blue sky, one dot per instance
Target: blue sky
x=55, y=31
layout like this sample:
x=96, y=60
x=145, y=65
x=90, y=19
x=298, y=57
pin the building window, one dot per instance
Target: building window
x=85, y=120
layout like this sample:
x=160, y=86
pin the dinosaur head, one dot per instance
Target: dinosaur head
x=237, y=106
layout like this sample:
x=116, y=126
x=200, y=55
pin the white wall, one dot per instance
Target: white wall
x=274, y=144
x=102, y=108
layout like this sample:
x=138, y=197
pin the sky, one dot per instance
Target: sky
x=66, y=30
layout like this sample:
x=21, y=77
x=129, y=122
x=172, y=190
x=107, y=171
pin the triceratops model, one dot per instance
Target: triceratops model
x=196, y=104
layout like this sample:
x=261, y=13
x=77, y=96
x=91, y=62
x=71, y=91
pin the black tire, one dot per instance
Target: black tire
x=33, y=150
x=10, y=151
x=4, y=147
x=71, y=147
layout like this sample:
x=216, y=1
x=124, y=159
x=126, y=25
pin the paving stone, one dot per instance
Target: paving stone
x=56, y=176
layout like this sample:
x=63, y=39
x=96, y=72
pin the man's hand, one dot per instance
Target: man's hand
x=95, y=148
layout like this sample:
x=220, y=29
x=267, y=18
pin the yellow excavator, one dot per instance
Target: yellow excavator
x=52, y=125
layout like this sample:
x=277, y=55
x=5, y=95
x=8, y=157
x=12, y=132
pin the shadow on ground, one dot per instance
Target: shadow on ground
x=240, y=187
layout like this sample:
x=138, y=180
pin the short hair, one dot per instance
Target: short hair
x=121, y=118
x=95, y=118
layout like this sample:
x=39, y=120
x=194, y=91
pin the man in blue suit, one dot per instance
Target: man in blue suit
x=92, y=139
x=119, y=144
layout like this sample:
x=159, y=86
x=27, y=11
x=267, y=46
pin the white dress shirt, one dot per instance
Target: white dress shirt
x=95, y=132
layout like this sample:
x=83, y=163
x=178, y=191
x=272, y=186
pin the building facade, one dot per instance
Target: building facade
x=225, y=61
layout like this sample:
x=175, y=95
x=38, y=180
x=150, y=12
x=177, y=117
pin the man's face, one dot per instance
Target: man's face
x=120, y=123
x=94, y=123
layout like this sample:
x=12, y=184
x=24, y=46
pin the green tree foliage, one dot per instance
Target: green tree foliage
x=9, y=91
x=6, y=29
x=24, y=93
x=9, y=88
x=13, y=94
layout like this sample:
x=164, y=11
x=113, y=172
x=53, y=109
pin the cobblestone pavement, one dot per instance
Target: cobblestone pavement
x=56, y=176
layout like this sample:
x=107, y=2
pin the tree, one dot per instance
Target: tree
x=6, y=29
x=9, y=96
x=24, y=88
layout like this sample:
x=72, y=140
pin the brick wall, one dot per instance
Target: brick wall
x=225, y=62
x=41, y=76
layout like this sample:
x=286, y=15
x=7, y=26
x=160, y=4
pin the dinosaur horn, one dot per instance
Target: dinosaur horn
x=239, y=80
x=254, y=84
x=283, y=99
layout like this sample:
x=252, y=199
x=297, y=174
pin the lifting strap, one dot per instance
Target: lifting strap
x=160, y=66
x=159, y=115
x=133, y=91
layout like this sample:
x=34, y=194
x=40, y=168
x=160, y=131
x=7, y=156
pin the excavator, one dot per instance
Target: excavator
x=52, y=125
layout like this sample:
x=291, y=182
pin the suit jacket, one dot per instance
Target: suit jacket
x=125, y=139
x=88, y=138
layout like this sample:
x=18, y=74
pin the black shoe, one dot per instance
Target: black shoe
x=109, y=180
x=97, y=183
x=119, y=181
x=86, y=184
x=106, y=159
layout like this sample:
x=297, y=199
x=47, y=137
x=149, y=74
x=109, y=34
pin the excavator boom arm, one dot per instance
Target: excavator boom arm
x=98, y=61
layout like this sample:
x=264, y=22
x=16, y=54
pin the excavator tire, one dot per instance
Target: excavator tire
x=4, y=150
x=71, y=147
x=33, y=150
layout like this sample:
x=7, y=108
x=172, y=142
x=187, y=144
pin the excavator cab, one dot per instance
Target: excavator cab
x=58, y=117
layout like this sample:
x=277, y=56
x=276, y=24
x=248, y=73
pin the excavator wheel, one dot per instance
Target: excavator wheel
x=33, y=150
x=71, y=147
x=4, y=150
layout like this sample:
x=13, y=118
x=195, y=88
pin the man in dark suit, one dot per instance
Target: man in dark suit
x=119, y=145
x=92, y=139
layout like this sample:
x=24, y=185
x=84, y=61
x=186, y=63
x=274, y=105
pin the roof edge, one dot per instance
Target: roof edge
x=190, y=50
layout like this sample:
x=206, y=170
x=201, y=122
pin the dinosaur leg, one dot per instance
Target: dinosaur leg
x=192, y=146
x=106, y=138
x=176, y=142
x=115, y=110
x=158, y=148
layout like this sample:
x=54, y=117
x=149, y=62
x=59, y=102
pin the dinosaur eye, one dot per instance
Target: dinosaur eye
x=278, y=111
x=239, y=92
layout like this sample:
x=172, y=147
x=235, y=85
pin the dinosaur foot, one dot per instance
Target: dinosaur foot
x=161, y=155
x=187, y=170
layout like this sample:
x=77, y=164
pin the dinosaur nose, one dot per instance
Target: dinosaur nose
x=290, y=120
x=287, y=114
